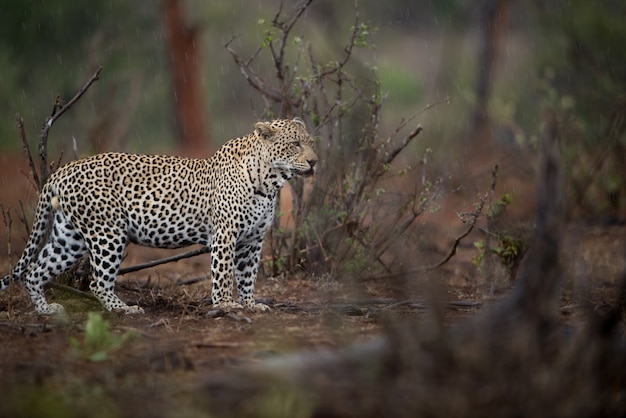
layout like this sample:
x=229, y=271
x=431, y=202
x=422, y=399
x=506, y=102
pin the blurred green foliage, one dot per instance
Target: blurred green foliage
x=66, y=399
x=564, y=54
x=52, y=47
x=98, y=340
x=49, y=48
x=581, y=73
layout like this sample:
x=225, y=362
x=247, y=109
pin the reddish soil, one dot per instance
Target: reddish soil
x=179, y=341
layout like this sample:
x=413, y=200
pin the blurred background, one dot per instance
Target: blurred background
x=395, y=216
x=479, y=76
x=499, y=62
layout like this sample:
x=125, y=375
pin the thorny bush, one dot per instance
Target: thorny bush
x=347, y=217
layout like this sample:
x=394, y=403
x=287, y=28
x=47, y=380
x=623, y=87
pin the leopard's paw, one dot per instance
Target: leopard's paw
x=227, y=306
x=260, y=307
x=253, y=306
x=50, y=309
x=133, y=310
x=126, y=309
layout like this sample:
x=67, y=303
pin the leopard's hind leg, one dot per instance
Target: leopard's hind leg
x=105, y=256
x=65, y=246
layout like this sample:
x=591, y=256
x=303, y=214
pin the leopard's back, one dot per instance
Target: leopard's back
x=160, y=201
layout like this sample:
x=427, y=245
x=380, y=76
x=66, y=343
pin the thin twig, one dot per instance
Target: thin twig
x=57, y=111
x=285, y=28
x=192, y=280
x=24, y=219
x=44, y=170
x=349, y=46
x=8, y=222
x=457, y=241
x=95, y=77
x=251, y=76
x=407, y=139
x=19, y=120
x=165, y=260
x=471, y=225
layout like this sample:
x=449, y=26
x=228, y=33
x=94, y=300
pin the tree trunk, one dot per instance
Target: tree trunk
x=184, y=55
x=494, y=17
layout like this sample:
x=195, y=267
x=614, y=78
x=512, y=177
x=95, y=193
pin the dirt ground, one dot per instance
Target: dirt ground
x=48, y=368
x=179, y=341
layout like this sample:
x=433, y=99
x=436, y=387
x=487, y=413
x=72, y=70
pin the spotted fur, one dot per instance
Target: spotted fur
x=97, y=205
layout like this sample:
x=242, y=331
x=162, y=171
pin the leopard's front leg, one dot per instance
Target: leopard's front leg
x=222, y=254
x=247, y=257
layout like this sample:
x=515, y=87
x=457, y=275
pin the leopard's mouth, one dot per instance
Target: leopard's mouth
x=305, y=173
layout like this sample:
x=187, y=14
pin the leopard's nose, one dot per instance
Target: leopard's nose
x=312, y=162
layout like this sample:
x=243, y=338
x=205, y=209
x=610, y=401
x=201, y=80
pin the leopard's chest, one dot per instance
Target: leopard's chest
x=256, y=217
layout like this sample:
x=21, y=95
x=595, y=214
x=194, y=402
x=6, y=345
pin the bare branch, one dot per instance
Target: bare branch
x=407, y=139
x=251, y=77
x=474, y=217
x=20, y=127
x=24, y=219
x=348, y=48
x=43, y=145
x=57, y=111
x=285, y=28
x=8, y=222
x=95, y=77
x=165, y=260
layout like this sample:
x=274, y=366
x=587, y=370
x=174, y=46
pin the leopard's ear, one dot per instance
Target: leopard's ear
x=264, y=129
x=299, y=121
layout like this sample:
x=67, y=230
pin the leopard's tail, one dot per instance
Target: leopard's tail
x=45, y=206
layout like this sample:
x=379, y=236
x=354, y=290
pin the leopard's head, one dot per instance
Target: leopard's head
x=290, y=146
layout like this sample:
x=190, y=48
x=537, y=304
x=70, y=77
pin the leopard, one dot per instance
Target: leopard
x=97, y=205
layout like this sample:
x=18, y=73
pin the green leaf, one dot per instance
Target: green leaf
x=98, y=356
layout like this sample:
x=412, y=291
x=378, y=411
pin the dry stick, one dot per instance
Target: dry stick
x=393, y=154
x=44, y=170
x=23, y=219
x=19, y=120
x=285, y=28
x=41, y=178
x=472, y=223
x=253, y=79
x=458, y=239
x=95, y=77
x=8, y=222
x=348, y=48
x=192, y=280
x=56, y=114
x=57, y=111
x=382, y=245
x=165, y=260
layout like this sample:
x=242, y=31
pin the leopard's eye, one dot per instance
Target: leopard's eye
x=296, y=143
